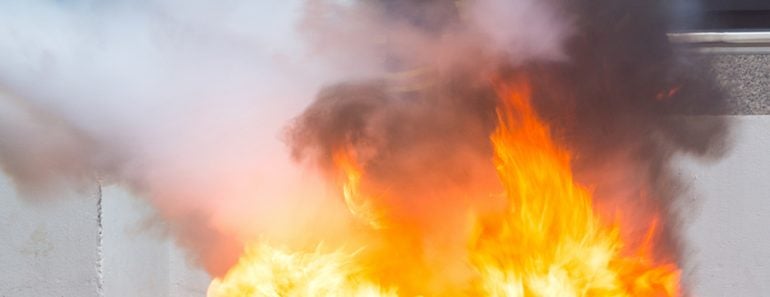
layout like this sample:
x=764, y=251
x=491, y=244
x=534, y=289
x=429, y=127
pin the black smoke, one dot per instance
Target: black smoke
x=624, y=100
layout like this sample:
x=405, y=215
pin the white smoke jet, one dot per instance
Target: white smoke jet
x=184, y=102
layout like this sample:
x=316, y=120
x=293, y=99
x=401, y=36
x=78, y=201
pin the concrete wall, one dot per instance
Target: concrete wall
x=88, y=245
x=48, y=249
x=745, y=77
x=138, y=260
x=729, y=232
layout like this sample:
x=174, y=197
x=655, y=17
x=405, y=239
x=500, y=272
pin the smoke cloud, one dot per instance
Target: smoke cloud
x=220, y=115
x=181, y=102
x=605, y=79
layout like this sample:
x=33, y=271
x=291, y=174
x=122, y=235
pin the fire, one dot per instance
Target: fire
x=355, y=200
x=547, y=241
x=267, y=271
x=550, y=242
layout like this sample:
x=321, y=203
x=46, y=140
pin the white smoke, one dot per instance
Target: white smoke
x=523, y=29
x=184, y=102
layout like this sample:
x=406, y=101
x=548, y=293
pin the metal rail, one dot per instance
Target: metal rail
x=742, y=38
x=724, y=42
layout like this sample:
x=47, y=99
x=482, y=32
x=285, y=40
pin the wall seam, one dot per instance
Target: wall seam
x=99, y=242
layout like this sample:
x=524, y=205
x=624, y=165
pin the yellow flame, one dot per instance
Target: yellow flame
x=264, y=271
x=547, y=242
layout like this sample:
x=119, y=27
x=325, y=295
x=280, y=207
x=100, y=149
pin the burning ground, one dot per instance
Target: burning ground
x=469, y=148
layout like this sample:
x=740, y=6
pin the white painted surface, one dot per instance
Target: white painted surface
x=135, y=264
x=50, y=249
x=138, y=260
x=730, y=233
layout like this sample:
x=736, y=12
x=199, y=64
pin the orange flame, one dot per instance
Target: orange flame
x=550, y=242
x=355, y=200
x=547, y=241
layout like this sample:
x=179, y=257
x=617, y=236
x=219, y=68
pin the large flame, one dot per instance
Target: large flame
x=547, y=241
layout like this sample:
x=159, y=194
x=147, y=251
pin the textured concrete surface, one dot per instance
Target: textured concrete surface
x=729, y=231
x=78, y=245
x=746, y=78
x=50, y=248
x=139, y=261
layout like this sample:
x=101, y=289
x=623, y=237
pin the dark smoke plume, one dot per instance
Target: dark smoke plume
x=629, y=99
x=622, y=98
